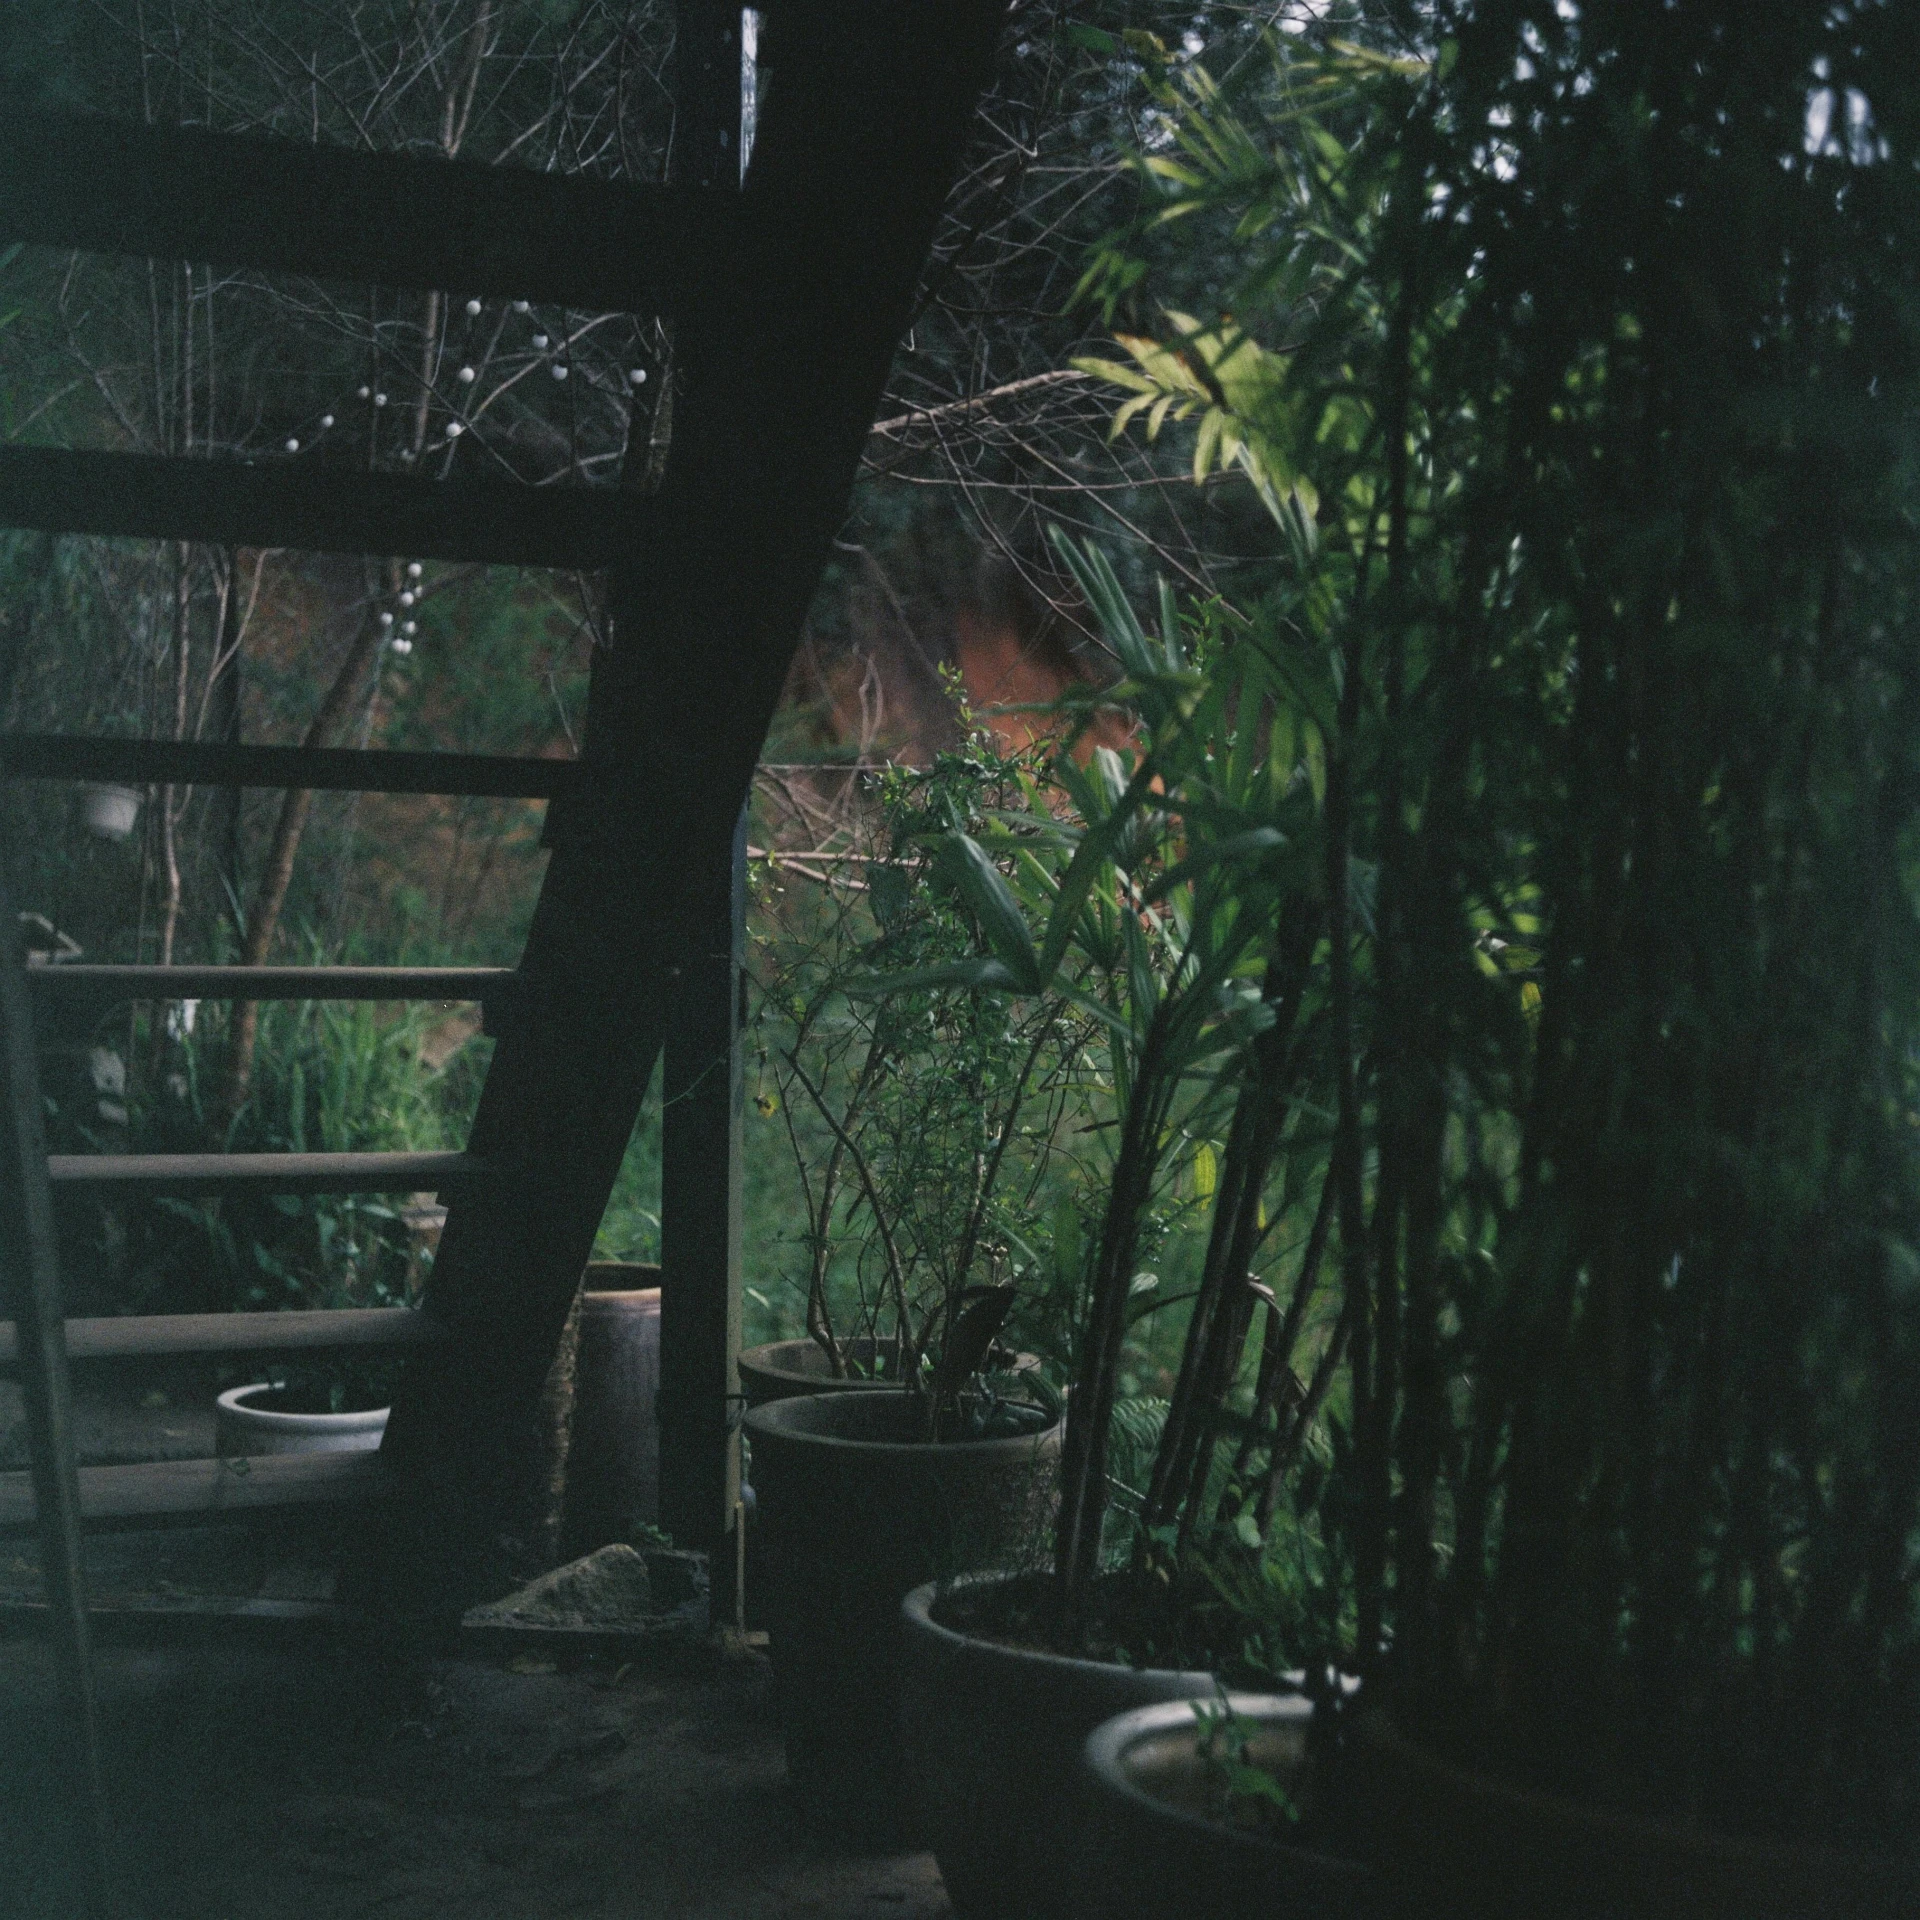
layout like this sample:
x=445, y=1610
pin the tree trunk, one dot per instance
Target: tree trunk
x=277, y=875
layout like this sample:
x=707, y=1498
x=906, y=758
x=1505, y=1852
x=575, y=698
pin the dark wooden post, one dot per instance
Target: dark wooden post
x=700, y=1228
x=700, y=1191
x=31, y=1292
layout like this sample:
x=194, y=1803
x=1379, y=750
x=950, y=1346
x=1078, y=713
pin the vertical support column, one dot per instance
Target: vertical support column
x=700, y=1227
x=30, y=1291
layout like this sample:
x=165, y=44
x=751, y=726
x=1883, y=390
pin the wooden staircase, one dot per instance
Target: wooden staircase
x=788, y=294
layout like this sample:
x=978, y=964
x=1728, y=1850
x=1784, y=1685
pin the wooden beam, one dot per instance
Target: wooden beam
x=173, y=1173
x=154, y=1492
x=300, y=502
x=275, y=205
x=81, y=980
x=217, y=763
x=167, y=1336
x=864, y=124
x=30, y=1289
x=702, y=1223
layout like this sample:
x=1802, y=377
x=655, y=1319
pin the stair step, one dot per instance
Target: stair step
x=315, y=508
x=100, y=985
x=171, y=1335
x=279, y=205
x=266, y=1172
x=156, y=1491
x=212, y=763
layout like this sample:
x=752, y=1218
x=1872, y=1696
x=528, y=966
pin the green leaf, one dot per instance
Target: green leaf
x=1239, y=847
x=965, y=864
x=979, y=973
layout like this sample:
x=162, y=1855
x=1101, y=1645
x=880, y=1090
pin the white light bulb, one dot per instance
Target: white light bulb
x=406, y=599
x=520, y=306
x=413, y=569
x=386, y=619
x=379, y=399
x=364, y=392
x=540, y=341
x=454, y=429
x=466, y=376
x=293, y=446
x=638, y=376
x=407, y=626
x=473, y=309
x=559, y=371
x=326, y=420
x=402, y=646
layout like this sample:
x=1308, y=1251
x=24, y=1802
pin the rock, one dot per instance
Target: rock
x=609, y=1588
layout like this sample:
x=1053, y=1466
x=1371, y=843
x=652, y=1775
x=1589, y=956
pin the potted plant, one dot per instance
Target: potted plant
x=909, y=1115
x=301, y=1412
x=1208, y=1807
x=1187, y=904
x=1613, y=516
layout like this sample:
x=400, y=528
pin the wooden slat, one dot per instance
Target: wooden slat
x=207, y=763
x=397, y=220
x=266, y=1172
x=156, y=1491
x=110, y=984
x=174, y=1335
x=298, y=502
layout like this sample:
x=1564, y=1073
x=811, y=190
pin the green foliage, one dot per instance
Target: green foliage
x=1593, y=336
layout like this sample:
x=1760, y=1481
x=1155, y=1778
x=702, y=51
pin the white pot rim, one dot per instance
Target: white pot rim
x=264, y=1420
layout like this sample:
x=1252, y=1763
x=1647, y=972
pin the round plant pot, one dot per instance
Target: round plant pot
x=786, y=1369
x=853, y=1511
x=1458, y=1841
x=613, y=1465
x=993, y=1736
x=247, y=1422
x=1154, y=1839
x=111, y=811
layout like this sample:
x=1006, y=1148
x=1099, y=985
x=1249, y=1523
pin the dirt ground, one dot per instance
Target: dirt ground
x=250, y=1782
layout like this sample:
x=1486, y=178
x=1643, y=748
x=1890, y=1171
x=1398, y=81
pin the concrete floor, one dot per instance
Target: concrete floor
x=250, y=1782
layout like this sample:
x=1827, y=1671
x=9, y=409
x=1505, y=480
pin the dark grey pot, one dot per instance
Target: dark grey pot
x=852, y=1513
x=1448, y=1839
x=1153, y=1845
x=993, y=1737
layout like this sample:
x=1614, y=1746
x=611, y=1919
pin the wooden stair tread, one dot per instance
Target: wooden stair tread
x=156, y=1491
x=266, y=1172
x=173, y=1335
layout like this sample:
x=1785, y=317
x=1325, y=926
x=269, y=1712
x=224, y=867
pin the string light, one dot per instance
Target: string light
x=326, y=420
x=293, y=446
x=365, y=393
x=473, y=309
x=386, y=619
x=637, y=376
x=406, y=599
x=520, y=306
x=559, y=370
x=408, y=626
x=401, y=646
x=379, y=399
x=540, y=341
x=466, y=376
x=413, y=569
x=454, y=429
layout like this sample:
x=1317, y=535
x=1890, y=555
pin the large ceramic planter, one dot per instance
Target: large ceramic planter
x=247, y=1422
x=1464, y=1842
x=852, y=1512
x=1154, y=1842
x=993, y=1737
x=613, y=1456
x=787, y=1369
